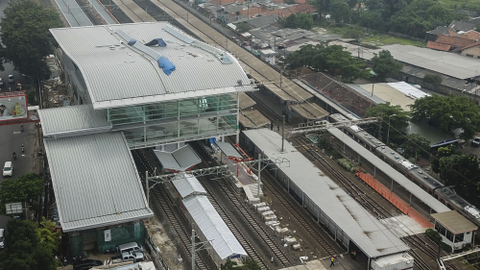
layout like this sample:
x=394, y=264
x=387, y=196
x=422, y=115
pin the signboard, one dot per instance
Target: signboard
x=107, y=235
x=13, y=107
x=13, y=208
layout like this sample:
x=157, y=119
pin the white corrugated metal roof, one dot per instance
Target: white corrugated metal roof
x=396, y=176
x=213, y=227
x=95, y=181
x=70, y=120
x=451, y=64
x=228, y=149
x=117, y=74
x=178, y=160
x=187, y=184
x=371, y=236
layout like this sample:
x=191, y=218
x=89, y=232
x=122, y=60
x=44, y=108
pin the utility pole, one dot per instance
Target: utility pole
x=201, y=246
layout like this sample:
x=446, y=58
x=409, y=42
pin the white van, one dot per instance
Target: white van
x=131, y=252
x=129, y=247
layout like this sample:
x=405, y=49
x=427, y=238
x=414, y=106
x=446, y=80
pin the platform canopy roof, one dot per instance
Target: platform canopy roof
x=73, y=121
x=95, y=181
x=228, y=149
x=187, y=184
x=179, y=160
x=454, y=222
x=119, y=69
x=213, y=227
x=369, y=234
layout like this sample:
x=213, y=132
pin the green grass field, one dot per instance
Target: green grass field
x=382, y=39
x=375, y=38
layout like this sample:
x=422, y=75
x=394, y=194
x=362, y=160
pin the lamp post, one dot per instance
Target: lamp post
x=388, y=131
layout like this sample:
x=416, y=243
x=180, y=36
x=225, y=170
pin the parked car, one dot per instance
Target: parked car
x=129, y=247
x=8, y=168
x=86, y=264
x=2, y=238
x=11, y=79
x=1, y=82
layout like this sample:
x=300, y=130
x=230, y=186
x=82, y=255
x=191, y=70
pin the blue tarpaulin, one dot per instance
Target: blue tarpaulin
x=166, y=65
x=156, y=41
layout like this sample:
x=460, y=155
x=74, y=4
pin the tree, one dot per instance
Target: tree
x=299, y=20
x=26, y=38
x=433, y=79
x=26, y=188
x=385, y=65
x=330, y=59
x=448, y=113
x=47, y=234
x=243, y=27
x=397, y=117
x=340, y=11
x=462, y=172
x=416, y=144
x=24, y=250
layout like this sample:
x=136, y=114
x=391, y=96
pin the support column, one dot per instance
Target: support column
x=237, y=127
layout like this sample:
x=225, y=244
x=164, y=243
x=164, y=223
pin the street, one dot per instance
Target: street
x=11, y=137
x=11, y=140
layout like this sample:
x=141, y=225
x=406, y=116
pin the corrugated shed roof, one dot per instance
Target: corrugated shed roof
x=473, y=35
x=395, y=175
x=95, y=181
x=366, y=231
x=450, y=64
x=310, y=111
x=454, y=222
x=469, y=46
x=71, y=120
x=178, y=160
x=213, y=227
x=253, y=119
x=228, y=149
x=187, y=184
x=117, y=74
x=454, y=41
x=438, y=46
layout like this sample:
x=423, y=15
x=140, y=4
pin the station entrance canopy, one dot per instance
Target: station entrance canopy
x=180, y=160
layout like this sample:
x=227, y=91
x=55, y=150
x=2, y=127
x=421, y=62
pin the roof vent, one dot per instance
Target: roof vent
x=239, y=82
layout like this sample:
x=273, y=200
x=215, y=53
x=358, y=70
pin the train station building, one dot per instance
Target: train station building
x=131, y=86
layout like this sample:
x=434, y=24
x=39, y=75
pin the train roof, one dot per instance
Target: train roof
x=396, y=176
x=374, y=238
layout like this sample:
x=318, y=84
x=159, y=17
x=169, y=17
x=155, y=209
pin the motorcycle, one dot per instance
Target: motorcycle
x=14, y=155
x=21, y=127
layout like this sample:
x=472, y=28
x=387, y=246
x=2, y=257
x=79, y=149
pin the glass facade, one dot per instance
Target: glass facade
x=169, y=121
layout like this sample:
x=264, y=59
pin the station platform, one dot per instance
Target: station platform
x=395, y=200
x=403, y=226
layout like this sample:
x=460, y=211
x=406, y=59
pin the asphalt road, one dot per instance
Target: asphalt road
x=11, y=138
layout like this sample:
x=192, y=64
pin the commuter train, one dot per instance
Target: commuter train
x=445, y=194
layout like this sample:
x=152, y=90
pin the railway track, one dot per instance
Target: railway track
x=325, y=249
x=255, y=224
x=163, y=206
x=376, y=208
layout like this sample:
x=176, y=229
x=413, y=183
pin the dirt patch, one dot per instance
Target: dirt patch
x=168, y=250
